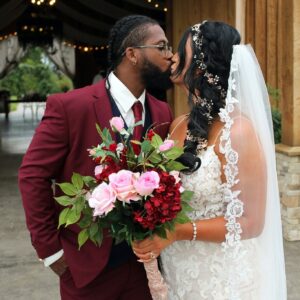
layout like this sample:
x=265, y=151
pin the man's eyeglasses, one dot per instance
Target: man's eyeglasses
x=164, y=48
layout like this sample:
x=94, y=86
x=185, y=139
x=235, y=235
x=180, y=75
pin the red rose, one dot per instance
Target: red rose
x=150, y=134
x=163, y=206
x=113, y=147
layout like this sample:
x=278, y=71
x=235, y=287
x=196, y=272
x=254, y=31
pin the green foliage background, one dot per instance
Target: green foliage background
x=35, y=74
x=276, y=114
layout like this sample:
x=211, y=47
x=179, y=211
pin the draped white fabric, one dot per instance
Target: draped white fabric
x=10, y=54
x=63, y=56
x=251, y=189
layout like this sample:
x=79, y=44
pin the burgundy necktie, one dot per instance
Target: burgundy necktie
x=137, y=109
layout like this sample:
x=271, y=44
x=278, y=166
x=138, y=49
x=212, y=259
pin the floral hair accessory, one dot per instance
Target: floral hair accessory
x=198, y=41
x=201, y=142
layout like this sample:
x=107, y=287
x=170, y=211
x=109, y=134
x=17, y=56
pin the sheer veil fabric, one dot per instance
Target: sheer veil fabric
x=253, y=248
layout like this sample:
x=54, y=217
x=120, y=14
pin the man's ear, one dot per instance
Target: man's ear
x=131, y=55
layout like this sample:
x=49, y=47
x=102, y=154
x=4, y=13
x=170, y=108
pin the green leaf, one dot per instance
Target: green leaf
x=80, y=204
x=170, y=225
x=82, y=237
x=107, y=137
x=100, y=132
x=182, y=218
x=88, y=180
x=77, y=181
x=161, y=232
x=155, y=158
x=175, y=166
x=68, y=188
x=98, y=237
x=93, y=229
x=173, y=153
x=63, y=216
x=186, y=207
x=72, y=217
x=186, y=195
x=100, y=152
x=156, y=141
x=146, y=146
x=85, y=221
x=139, y=236
x=162, y=167
x=64, y=200
x=149, y=165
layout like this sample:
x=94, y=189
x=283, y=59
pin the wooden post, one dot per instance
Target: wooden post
x=288, y=153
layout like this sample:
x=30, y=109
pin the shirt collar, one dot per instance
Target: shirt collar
x=122, y=95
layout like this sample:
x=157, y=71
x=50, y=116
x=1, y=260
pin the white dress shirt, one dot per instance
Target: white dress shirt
x=124, y=100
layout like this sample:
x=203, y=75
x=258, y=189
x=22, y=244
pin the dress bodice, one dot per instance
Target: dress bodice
x=207, y=201
x=194, y=270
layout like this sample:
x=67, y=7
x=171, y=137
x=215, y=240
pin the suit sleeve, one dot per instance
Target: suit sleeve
x=42, y=162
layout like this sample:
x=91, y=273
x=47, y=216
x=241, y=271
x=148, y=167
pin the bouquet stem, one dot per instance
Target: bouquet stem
x=157, y=285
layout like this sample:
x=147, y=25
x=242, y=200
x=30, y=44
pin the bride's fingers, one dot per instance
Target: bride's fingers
x=146, y=248
x=145, y=257
x=142, y=244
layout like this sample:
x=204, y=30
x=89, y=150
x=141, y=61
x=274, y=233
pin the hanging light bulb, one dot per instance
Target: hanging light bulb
x=42, y=2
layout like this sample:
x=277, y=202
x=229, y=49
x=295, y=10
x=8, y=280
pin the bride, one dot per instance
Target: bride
x=232, y=249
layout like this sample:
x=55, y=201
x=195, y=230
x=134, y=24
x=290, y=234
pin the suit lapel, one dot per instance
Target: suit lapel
x=102, y=107
x=155, y=115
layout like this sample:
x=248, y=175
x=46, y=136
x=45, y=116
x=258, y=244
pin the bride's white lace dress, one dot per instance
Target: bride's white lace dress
x=195, y=270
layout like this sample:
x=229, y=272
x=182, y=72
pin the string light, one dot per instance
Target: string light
x=6, y=36
x=157, y=5
x=42, y=2
x=84, y=48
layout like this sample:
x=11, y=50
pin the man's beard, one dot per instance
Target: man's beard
x=154, y=78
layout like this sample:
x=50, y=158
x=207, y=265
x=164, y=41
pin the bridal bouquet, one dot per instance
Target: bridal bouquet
x=136, y=192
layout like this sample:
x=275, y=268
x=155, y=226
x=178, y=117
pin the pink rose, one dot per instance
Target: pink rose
x=117, y=124
x=123, y=185
x=102, y=199
x=98, y=170
x=92, y=152
x=167, y=145
x=147, y=183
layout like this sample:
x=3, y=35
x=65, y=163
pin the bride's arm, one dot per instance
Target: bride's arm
x=178, y=129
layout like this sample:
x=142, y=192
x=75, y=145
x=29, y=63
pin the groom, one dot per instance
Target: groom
x=139, y=58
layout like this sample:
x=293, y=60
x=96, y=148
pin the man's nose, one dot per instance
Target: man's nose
x=170, y=55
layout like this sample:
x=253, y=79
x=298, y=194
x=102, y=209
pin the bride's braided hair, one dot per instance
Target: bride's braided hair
x=206, y=78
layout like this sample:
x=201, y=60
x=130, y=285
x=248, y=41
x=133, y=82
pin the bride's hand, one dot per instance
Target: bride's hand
x=150, y=248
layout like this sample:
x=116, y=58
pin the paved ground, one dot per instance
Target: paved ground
x=22, y=276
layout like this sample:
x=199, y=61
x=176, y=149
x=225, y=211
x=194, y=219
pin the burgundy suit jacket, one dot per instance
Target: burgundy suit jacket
x=59, y=148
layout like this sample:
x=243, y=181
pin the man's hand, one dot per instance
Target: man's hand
x=59, y=267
